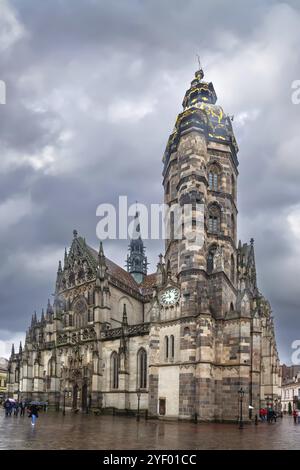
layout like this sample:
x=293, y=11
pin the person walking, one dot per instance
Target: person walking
x=33, y=414
x=295, y=416
x=16, y=408
x=7, y=407
x=22, y=408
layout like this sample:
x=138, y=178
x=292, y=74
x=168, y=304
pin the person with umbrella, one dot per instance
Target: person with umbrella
x=33, y=412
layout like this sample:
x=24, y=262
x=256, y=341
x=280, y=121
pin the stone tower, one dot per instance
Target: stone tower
x=205, y=335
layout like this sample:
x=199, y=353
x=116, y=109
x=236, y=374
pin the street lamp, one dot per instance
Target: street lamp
x=64, y=408
x=138, y=392
x=241, y=396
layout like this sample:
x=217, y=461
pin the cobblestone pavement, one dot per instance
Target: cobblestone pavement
x=55, y=431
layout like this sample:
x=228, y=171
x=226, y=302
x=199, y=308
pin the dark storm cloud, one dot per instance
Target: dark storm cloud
x=94, y=88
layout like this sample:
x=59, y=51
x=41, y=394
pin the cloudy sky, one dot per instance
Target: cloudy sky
x=93, y=90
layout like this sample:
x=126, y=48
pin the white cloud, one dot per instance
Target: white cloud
x=11, y=30
x=14, y=209
x=7, y=338
x=130, y=110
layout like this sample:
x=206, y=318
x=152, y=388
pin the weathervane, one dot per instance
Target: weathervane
x=199, y=61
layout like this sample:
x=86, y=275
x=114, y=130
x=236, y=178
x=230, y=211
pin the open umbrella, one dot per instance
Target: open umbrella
x=12, y=400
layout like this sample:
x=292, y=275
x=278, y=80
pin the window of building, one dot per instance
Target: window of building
x=114, y=367
x=210, y=259
x=232, y=226
x=214, y=219
x=142, y=368
x=172, y=346
x=232, y=268
x=214, y=178
x=166, y=347
x=233, y=190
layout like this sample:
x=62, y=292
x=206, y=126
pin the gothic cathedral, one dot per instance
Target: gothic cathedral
x=176, y=343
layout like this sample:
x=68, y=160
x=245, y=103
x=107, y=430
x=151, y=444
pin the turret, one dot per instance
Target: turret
x=136, y=260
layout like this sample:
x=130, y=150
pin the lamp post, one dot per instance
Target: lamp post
x=241, y=396
x=64, y=408
x=138, y=392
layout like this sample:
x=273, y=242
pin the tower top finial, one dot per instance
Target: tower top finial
x=199, y=73
x=75, y=233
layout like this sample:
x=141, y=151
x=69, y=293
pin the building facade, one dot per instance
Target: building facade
x=3, y=377
x=290, y=388
x=183, y=340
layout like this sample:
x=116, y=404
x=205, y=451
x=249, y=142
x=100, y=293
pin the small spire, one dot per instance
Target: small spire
x=20, y=348
x=34, y=318
x=240, y=244
x=101, y=252
x=169, y=273
x=42, y=316
x=66, y=259
x=252, y=241
x=102, y=263
x=59, y=269
x=12, y=349
x=199, y=73
x=124, y=319
x=75, y=233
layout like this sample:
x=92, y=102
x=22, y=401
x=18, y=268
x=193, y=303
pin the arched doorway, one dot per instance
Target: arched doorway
x=75, y=396
x=84, y=397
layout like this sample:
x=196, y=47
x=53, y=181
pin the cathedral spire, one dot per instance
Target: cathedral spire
x=136, y=259
x=124, y=319
x=20, y=348
x=12, y=349
x=66, y=259
x=102, y=269
x=59, y=269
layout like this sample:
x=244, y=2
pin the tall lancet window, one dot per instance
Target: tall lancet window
x=214, y=178
x=214, y=219
x=233, y=189
x=142, y=368
x=114, y=368
x=166, y=347
x=210, y=259
x=232, y=268
x=172, y=346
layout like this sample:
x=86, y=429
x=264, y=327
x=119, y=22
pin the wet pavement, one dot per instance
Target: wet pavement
x=81, y=431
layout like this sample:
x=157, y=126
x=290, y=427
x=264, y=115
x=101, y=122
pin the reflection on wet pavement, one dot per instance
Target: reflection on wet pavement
x=81, y=431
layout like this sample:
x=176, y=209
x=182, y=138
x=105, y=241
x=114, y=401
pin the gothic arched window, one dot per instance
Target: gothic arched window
x=168, y=188
x=232, y=226
x=114, y=368
x=214, y=178
x=233, y=191
x=142, y=368
x=214, y=219
x=186, y=331
x=210, y=259
x=172, y=346
x=51, y=367
x=232, y=269
x=166, y=347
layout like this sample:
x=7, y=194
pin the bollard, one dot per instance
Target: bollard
x=256, y=420
x=195, y=418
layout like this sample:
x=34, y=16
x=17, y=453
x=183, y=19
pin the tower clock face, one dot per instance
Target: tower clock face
x=170, y=296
